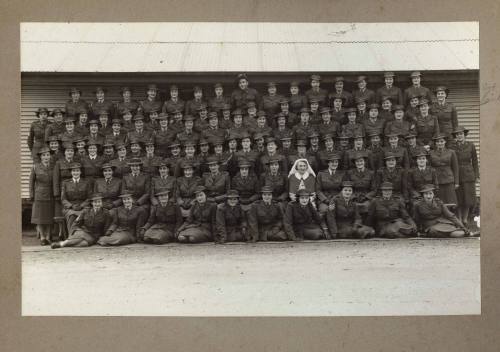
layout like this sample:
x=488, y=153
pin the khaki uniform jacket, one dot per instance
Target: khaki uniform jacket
x=110, y=191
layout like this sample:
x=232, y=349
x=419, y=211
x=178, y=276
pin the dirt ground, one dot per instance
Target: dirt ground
x=371, y=277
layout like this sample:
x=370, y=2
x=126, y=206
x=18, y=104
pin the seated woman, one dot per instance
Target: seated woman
x=246, y=184
x=329, y=182
x=109, y=187
x=419, y=176
x=230, y=220
x=199, y=224
x=162, y=182
x=277, y=180
x=302, y=220
x=185, y=188
x=216, y=183
x=343, y=218
x=265, y=218
x=75, y=193
x=389, y=215
x=164, y=220
x=126, y=224
x=301, y=176
x=88, y=226
x=364, y=183
x=138, y=183
x=434, y=219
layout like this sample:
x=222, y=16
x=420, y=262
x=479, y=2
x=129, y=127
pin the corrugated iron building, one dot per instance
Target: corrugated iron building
x=55, y=57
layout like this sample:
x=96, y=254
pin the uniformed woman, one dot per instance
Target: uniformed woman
x=216, y=182
x=185, y=188
x=162, y=182
x=399, y=125
x=468, y=170
x=199, y=225
x=163, y=137
x=36, y=136
x=150, y=160
x=329, y=182
x=246, y=184
x=109, y=187
x=426, y=125
x=277, y=180
x=174, y=103
x=126, y=224
x=364, y=183
x=363, y=92
x=243, y=94
x=92, y=163
x=75, y=194
x=91, y=224
x=230, y=220
x=301, y=176
x=193, y=105
x=138, y=184
x=218, y=102
x=120, y=164
x=374, y=123
x=62, y=172
x=445, y=112
x=388, y=215
x=296, y=100
x=55, y=150
x=265, y=218
x=339, y=91
x=75, y=103
x=152, y=101
x=389, y=90
x=56, y=128
x=343, y=217
x=302, y=220
x=270, y=102
x=420, y=175
x=164, y=219
x=126, y=103
x=434, y=219
x=352, y=126
x=445, y=162
x=41, y=194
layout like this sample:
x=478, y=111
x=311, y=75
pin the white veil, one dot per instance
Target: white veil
x=294, y=172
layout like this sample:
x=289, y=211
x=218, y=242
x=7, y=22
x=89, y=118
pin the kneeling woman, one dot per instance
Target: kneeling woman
x=89, y=226
x=389, y=215
x=199, y=225
x=343, y=218
x=302, y=220
x=127, y=222
x=265, y=218
x=231, y=223
x=164, y=220
x=434, y=219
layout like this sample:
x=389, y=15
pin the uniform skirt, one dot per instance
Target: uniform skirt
x=447, y=193
x=80, y=234
x=396, y=228
x=350, y=230
x=197, y=233
x=441, y=228
x=119, y=237
x=273, y=232
x=466, y=194
x=309, y=232
x=42, y=212
x=159, y=233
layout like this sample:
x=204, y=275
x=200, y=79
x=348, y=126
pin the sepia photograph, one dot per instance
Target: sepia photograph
x=250, y=169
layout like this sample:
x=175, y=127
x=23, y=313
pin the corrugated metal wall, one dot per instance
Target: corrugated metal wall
x=52, y=93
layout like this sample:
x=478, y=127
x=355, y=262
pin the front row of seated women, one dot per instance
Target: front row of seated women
x=266, y=220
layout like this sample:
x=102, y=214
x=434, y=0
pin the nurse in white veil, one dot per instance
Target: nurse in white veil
x=302, y=176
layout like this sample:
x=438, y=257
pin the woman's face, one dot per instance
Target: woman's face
x=189, y=125
x=424, y=109
x=245, y=143
x=294, y=90
x=413, y=102
x=304, y=117
x=43, y=116
x=389, y=81
x=421, y=161
x=201, y=197
x=83, y=118
x=347, y=192
x=97, y=204
x=314, y=106
x=351, y=117
x=412, y=141
x=329, y=143
x=386, y=105
x=281, y=121
x=261, y=121
x=337, y=104
x=76, y=173
x=164, y=123
x=116, y=127
x=460, y=136
x=243, y=83
x=440, y=143
x=188, y=172
x=214, y=122
x=75, y=96
x=92, y=149
x=362, y=84
x=217, y=149
x=287, y=143
x=69, y=153
x=358, y=143
x=151, y=93
x=178, y=116
x=333, y=164
x=373, y=113
x=415, y=80
x=339, y=85
x=218, y=91
x=314, y=141
x=107, y=172
x=189, y=150
x=326, y=116
x=315, y=83
x=301, y=149
x=127, y=201
x=127, y=117
x=80, y=145
x=267, y=197
x=108, y=150
x=233, y=144
x=390, y=163
x=99, y=95
x=393, y=141
x=58, y=117
x=284, y=107
x=135, y=148
x=441, y=95
x=304, y=200
x=361, y=106
x=204, y=148
x=429, y=196
x=163, y=198
x=174, y=93
x=122, y=152
x=93, y=128
x=45, y=157
x=163, y=170
x=232, y=201
x=198, y=94
x=274, y=167
x=271, y=90
x=271, y=147
x=360, y=163
x=126, y=95
x=175, y=150
x=153, y=115
x=375, y=140
x=54, y=145
x=214, y=168
x=399, y=114
x=387, y=193
x=150, y=149
x=135, y=169
x=139, y=124
x=259, y=142
x=301, y=167
x=238, y=119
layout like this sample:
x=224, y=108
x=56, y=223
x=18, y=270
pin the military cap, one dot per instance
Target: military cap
x=441, y=88
x=241, y=76
x=203, y=141
x=261, y=113
x=374, y=106
x=410, y=135
x=134, y=161
x=244, y=163
x=93, y=142
x=439, y=136
x=271, y=84
x=373, y=134
x=245, y=135
x=153, y=109
x=125, y=111
x=202, y=107
x=212, y=115
x=314, y=101
x=266, y=189
x=162, y=163
x=57, y=111
x=125, y=89
x=120, y=145
x=270, y=139
x=212, y=160
x=339, y=96
x=40, y=110
x=392, y=134
x=95, y=196
x=386, y=97
x=173, y=87
x=134, y=140
x=280, y=115
x=75, y=166
x=333, y=156
x=274, y=160
x=233, y=135
x=188, y=118
x=423, y=101
x=347, y=184
x=199, y=189
x=258, y=135
x=326, y=136
x=348, y=110
x=80, y=139
x=81, y=110
x=388, y=74
x=218, y=141
x=44, y=149
x=398, y=107
x=117, y=121
x=151, y=87
x=459, y=129
x=286, y=138
x=138, y=117
x=93, y=122
x=197, y=89
x=284, y=101
x=107, y=166
x=294, y=84
x=103, y=112
x=421, y=152
x=303, y=193
x=226, y=107
x=237, y=112
x=108, y=144
x=162, y=192
x=343, y=136
x=386, y=185
x=99, y=90
x=218, y=85
x=126, y=193
x=359, y=155
x=176, y=111
x=427, y=188
x=315, y=78
x=305, y=110
x=313, y=134
x=360, y=100
x=149, y=142
x=338, y=79
x=390, y=155
x=301, y=143
x=251, y=104
x=415, y=74
x=324, y=110
x=53, y=138
x=358, y=134
x=414, y=95
x=188, y=143
x=74, y=90
x=186, y=165
x=360, y=78
x=162, y=116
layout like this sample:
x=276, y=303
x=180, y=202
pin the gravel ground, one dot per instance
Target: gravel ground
x=371, y=277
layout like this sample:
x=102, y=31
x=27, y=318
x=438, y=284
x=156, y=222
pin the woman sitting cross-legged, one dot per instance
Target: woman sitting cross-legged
x=88, y=226
x=231, y=223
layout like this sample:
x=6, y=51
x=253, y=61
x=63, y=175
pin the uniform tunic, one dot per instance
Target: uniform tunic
x=240, y=98
x=446, y=116
x=217, y=103
x=214, y=134
x=352, y=129
x=397, y=177
x=302, y=131
x=347, y=98
x=162, y=223
x=374, y=125
x=395, y=93
x=72, y=107
x=435, y=220
x=230, y=223
x=265, y=222
x=41, y=192
x=367, y=94
x=200, y=223
x=74, y=197
x=468, y=170
x=339, y=116
x=332, y=128
x=61, y=172
x=291, y=119
x=54, y=129
x=148, y=105
x=302, y=222
x=248, y=188
x=142, y=136
x=170, y=106
x=184, y=190
x=320, y=94
x=193, y=105
x=401, y=154
x=125, y=226
x=121, y=167
x=217, y=185
x=297, y=102
x=106, y=105
x=377, y=156
x=328, y=185
x=90, y=225
x=120, y=137
x=250, y=156
x=36, y=137
x=417, y=178
x=160, y=184
x=402, y=128
x=419, y=91
x=390, y=218
x=162, y=139
x=344, y=221
x=92, y=168
x=271, y=105
x=446, y=165
x=140, y=187
x=426, y=128
x=110, y=190
x=150, y=164
x=365, y=186
x=131, y=105
x=279, y=184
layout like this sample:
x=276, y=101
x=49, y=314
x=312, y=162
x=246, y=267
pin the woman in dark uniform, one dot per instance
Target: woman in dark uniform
x=445, y=162
x=75, y=103
x=164, y=220
x=277, y=180
x=138, y=184
x=126, y=103
x=426, y=125
x=163, y=137
x=197, y=102
x=108, y=152
x=270, y=102
x=230, y=220
x=434, y=219
x=185, y=188
x=41, y=194
x=216, y=183
x=109, y=187
x=468, y=169
x=162, y=182
x=364, y=183
x=399, y=125
x=199, y=225
x=363, y=92
x=389, y=90
x=120, y=164
x=36, y=136
x=61, y=173
x=55, y=150
x=218, y=102
x=297, y=101
x=88, y=226
x=56, y=128
x=92, y=163
x=126, y=224
x=265, y=218
x=152, y=101
x=352, y=126
x=445, y=112
x=174, y=103
x=244, y=94
x=329, y=182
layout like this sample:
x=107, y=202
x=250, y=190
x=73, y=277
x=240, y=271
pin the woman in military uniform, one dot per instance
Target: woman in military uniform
x=174, y=103
x=339, y=91
x=138, y=184
x=92, y=163
x=126, y=103
x=418, y=176
x=363, y=92
x=426, y=125
x=434, y=219
x=56, y=128
x=61, y=173
x=41, y=194
x=316, y=91
x=162, y=182
x=75, y=103
x=399, y=125
x=82, y=123
x=199, y=225
x=216, y=183
x=126, y=224
x=389, y=90
x=445, y=162
x=164, y=219
x=152, y=101
x=194, y=104
x=352, y=126
x=265, y=218
x=246, y=184
x=357, y=148
x=88, y=226
x=468, y=170
x=218, y=102
x=388, y=215
x=75, y=194
x=36, y=136
x=393, y=147
x=55, y=150
x=109, y=187
x=445, y=112
x=185, y=188
x=412, y=108
x=270, y=102
x=296, y=100
x=163, y=136
x=329, y=182
x=150, y=160
x=101, y=104
x=302, y=220
x=374, y=123
x=277, y=180
x=120, y=164
x=244, y=94
x=189, y=157
x=417, y=89
x=343, y=217
x=230, y=220
x=364, y=183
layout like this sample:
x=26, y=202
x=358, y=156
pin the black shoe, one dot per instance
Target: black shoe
x=55, y=245
x=44, y=242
